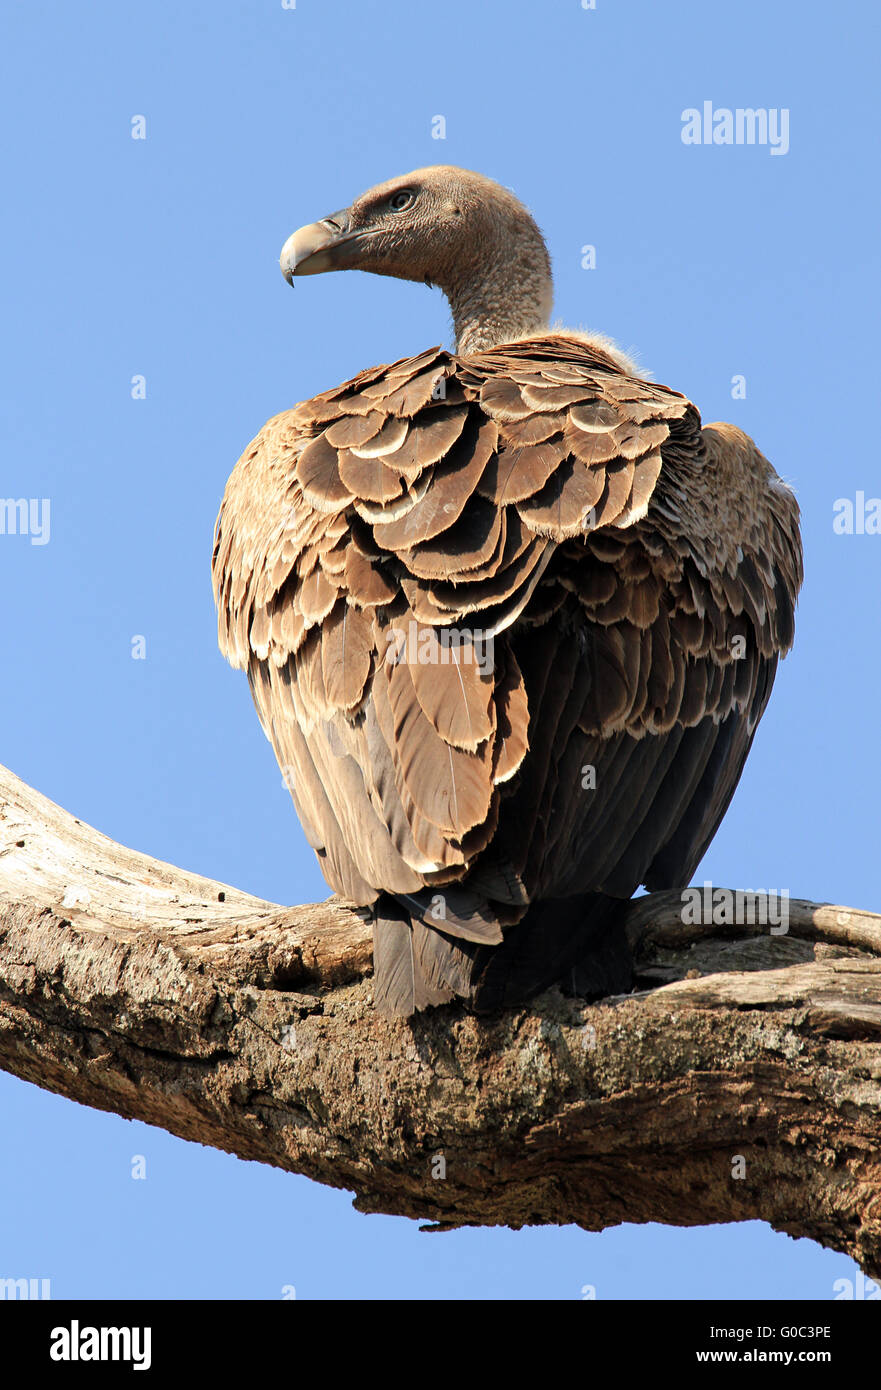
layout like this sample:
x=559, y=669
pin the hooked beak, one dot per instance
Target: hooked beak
x=324, y=245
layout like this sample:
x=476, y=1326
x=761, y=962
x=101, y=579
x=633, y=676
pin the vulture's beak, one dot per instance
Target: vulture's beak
x=325, y=245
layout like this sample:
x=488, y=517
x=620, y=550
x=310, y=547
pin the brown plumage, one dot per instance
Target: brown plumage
x=510, y=616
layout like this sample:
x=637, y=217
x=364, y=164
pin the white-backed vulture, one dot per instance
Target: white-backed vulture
x=509, y=615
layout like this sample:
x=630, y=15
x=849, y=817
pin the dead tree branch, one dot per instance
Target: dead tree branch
x=135, y=987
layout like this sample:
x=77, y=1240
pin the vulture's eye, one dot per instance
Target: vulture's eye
x=399, y=201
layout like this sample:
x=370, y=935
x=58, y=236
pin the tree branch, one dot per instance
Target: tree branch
x=133, y=986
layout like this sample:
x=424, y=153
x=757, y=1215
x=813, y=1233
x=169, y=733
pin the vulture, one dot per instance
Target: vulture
x=510, y=616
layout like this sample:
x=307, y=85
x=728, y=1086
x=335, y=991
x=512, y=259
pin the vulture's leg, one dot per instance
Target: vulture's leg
x=577, y=943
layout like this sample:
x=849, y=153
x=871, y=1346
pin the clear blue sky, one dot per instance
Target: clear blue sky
x=159, y=257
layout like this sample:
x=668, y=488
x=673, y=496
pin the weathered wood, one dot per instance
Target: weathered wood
x=136, y=987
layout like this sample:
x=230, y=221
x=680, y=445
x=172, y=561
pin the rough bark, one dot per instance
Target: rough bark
x=136, y=987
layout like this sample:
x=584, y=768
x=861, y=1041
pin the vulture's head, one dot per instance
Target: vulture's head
x=447, y=227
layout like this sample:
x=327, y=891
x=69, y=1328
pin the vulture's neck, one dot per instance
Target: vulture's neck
x=507, y=295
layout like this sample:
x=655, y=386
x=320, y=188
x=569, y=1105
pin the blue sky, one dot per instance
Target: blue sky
x=158, y=257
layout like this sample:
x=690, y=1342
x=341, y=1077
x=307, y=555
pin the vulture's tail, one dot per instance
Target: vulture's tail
x=421, y=958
